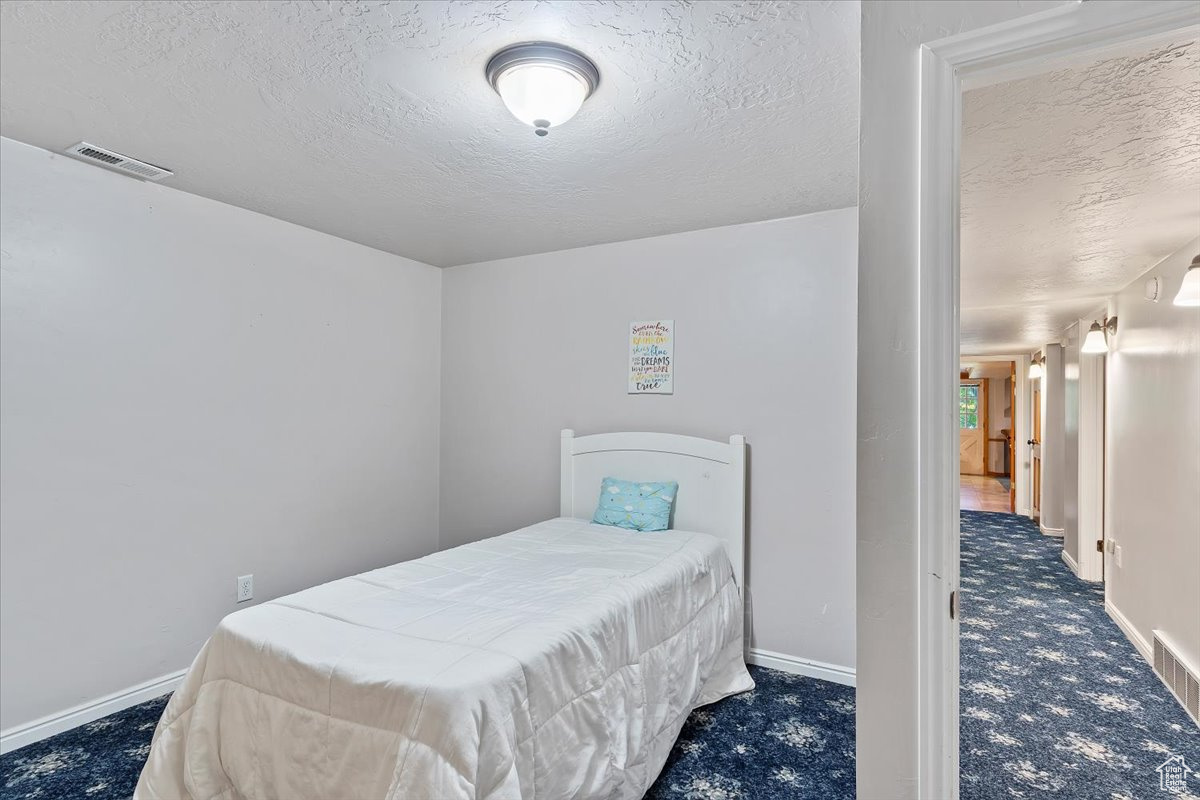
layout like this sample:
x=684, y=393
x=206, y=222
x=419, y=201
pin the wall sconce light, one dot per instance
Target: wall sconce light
x=1096, y=340
x=1035, y=366
x=1189, y=290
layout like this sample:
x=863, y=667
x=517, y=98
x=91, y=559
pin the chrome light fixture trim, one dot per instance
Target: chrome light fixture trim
x=550, y=56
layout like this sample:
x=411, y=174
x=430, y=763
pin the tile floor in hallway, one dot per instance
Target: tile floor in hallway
x=983, y=493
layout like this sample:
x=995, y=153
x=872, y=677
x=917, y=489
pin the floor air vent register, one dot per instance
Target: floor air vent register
x=1179, y=678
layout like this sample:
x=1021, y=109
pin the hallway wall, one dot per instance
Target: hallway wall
x=1070, y=461
x=1153, y=432
x=1053, y=441
x=889, y=583
x=1090, y=461
x=1083, y=435
x=1022, y=422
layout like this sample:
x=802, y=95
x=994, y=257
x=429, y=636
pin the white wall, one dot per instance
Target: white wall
x=1083, y=440
x=191, y=392
x=1022, y=422
x=1153, y=439
x=1053, y=440
x=1089, y=462
x=999, y=418
x=888, y=398
x=1070, y=442
x=998, y=400
x=765, y=346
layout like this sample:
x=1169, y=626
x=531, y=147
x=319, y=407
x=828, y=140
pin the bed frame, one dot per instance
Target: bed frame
x=711, y=476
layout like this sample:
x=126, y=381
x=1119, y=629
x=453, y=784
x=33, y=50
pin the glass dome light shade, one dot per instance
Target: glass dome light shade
x=541, y=83
x=542, y=95
x=1189, y=290
x=1095, y=341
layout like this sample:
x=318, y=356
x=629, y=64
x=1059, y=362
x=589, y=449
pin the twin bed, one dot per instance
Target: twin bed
x=557, y=661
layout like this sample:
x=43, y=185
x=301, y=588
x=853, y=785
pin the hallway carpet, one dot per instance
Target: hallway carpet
x=1056, y=703
x=790, y=737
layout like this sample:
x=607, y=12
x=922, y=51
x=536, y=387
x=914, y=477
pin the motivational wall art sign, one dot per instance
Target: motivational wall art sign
x=652, y=357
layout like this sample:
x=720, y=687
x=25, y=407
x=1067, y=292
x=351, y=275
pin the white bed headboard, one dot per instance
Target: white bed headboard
x=711, y=477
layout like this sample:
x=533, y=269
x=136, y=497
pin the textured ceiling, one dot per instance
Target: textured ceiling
x=1074, y=183
x=373, y=122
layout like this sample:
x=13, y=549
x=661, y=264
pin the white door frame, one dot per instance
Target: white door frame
x=1025, y=46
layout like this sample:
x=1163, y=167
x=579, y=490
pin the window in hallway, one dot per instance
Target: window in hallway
x=968, y=406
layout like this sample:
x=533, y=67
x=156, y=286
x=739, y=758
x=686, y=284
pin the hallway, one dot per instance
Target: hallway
x=982, y=493
x=1055, y=701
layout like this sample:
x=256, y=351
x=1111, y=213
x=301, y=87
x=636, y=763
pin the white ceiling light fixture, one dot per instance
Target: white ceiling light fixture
x=1189, y=290
x=542, y=84
x=1035, y=367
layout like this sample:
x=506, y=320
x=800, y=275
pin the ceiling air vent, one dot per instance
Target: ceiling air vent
x=107, y=158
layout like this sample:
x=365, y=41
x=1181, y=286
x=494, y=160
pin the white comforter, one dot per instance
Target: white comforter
x=558, y=661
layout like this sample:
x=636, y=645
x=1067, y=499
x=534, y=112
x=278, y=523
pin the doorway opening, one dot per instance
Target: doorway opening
x=986, y=430
x=1031, y=46
x=1034, y=627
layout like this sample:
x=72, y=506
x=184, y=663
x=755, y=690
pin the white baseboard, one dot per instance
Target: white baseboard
x=1072, y=564
x=802, y=666
x=20, y=735
x=1130, y=632
x=1051, y=531
x=47, y=726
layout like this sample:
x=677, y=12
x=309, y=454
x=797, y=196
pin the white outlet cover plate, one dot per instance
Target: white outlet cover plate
x=245, y=588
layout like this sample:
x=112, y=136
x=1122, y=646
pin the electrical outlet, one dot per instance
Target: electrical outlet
x=245, y=588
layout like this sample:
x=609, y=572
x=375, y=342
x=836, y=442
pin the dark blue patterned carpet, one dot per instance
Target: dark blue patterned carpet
x=1056, y=703
x=791, y=737
x=96, y=761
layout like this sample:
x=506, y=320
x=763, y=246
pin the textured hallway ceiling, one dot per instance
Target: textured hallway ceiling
x=373, y=122
x=1074, y=183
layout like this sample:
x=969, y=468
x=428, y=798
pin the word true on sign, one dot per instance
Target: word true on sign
x=651, y=357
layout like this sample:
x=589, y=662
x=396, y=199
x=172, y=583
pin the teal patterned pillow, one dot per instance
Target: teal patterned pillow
x=636, y=506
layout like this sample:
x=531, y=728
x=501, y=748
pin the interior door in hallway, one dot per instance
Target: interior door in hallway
x=972, y=425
